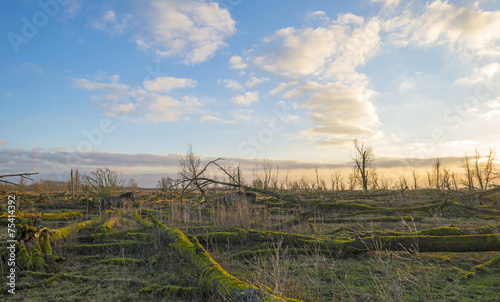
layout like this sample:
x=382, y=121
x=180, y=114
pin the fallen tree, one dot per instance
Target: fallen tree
x=415, y=243
x=212, y=277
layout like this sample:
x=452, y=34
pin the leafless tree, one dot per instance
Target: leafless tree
x=469, y=173
x=352, y=180
x=363, y=158
x=483, y=168
x=415, y=177
x=446, y=179
x=132, y=184
x=165, y=183
x=189, y=165
x=336, y=180
x=402, y=183
x=374, y=179
x=437, y=173
x=430, y=181
x=103, y=182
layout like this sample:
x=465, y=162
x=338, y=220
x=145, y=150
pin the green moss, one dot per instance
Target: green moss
x=171, y=290
x=47, y=249
x=114, y=247
x=213, y=277
x=64, y=232
x=37, y=259
x=140, y=236
x=443, y=231
x=54, y=278
x=23, y=257
x=121, y=261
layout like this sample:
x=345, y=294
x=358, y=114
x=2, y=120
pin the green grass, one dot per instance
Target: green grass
x=114, y=258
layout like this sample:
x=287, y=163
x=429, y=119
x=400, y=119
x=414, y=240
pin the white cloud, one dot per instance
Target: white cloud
x=293, y=118
x=489, y=110
x=282, y=86
x=166, y=84
x=70, y=9
x=388, y=3
x=318, y=16
x=491, y=115
x=211, y=118
x=113, y=24
x=243, y=114
x=114, y=86
x=163, y=108
x=341, y=112
x=29, y=68
x=232, y=84
x=150, y=103
x=236, y=62
x=254, y=81
x=246, y=99
x=192, y=29
x=485, y=73
x=333, y=51
x=467, y=28
x=407, y=85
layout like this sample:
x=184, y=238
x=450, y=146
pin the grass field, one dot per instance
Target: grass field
x=422, y=245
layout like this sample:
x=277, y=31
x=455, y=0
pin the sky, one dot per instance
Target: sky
x=129, y=84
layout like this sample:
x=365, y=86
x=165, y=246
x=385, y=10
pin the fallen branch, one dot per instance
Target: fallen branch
x=22, y=175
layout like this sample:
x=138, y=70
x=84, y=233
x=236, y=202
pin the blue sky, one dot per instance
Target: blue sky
x=128, y=84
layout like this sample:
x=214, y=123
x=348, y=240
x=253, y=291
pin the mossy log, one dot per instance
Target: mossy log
x=300, y=218
x=482, y=267
x=369, y=219
x=440, y=231
x=122, y=261
x=60, y=205
x=462, y=243
x=64, y=232
x=172, y=290
x=342, y=206
x=212, y=277
x=79, y=278
x=110, y=235
x=112, y=247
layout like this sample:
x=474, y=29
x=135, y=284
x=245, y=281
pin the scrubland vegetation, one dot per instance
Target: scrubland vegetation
x=425, y=237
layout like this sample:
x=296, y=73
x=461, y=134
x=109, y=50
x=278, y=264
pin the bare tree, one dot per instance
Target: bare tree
x=165, y=183
x=446, y=179
x=374, y=180
x=103, y=182
x=415, y=177
x=402, y=183
x=469, y=173
x=132, y=184
x=483, y=168
x=437, y=173
x=454, y=181
x=189, y=165
x=363, y=158
x=352, y=179
x=430, y=180
x=336, y=180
